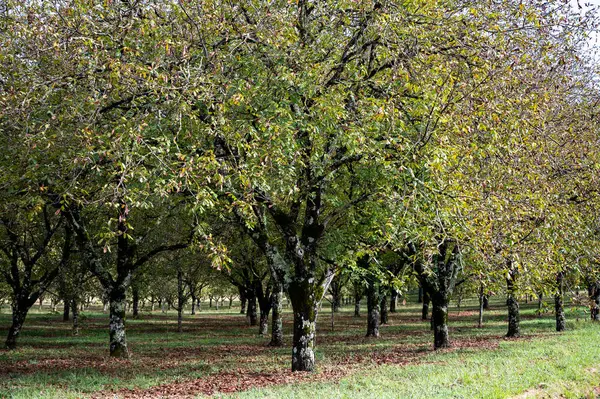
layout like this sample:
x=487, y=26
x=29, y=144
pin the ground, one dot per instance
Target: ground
x=218, y=355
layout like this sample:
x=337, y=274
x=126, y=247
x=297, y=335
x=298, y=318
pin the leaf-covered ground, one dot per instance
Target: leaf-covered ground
x=217, y=354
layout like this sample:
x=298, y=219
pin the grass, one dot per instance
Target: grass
x=217, y=354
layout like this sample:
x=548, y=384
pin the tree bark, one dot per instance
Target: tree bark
x=251, y=316
x=242, y=302
x=594, y=294
x=263, y=327
x=66, y=310
x=118, y=340
x=304, y=303
x=180, y=300
x=75, y=317
x=420, y=297
x=384, y=309
x=393, y=300
x=135, y=291
x=425, y=310
x=558, y=303
x=373, y=309
x=193, y=305
x=358, y=294
x=481, y=307
x=486, y=302
x=19, y=313
x=277, y=323
x=513, y=308
x=439, y=316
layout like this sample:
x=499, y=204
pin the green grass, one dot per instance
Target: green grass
x=218, y=347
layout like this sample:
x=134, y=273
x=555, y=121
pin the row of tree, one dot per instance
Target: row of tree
x=294, y=142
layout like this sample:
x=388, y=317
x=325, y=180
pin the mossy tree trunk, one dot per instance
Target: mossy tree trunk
x=277, y=323
x=304, y=304
x=117, y=336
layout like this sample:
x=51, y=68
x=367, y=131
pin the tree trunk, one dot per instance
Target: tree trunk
x=420, y=298
x=373, y=304
x=210, y=302
x=513, y=310
x=180, y=300
x=276, y=323
x=426, y=299
x=558, y=303
x=66, y=310
x=263, y=328
x=19, y=313
x=251, y=315
x=199, y=305
x=481, y=307
x=393, y=300
x=242, y=305
x=135, y=291
x=384, y=309
x=594, y=293
x=304, y=303
x=336, y=303
x=118, y=339
x=193, y=312
x=486, y=302
x=357, y=306
x=75, y=317
x=439, y=317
